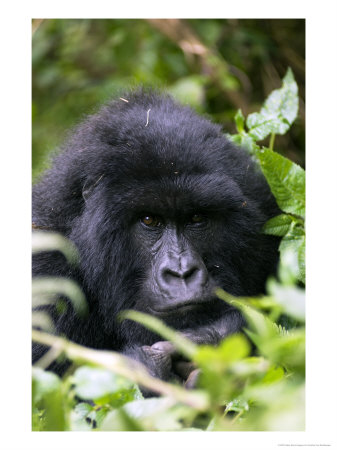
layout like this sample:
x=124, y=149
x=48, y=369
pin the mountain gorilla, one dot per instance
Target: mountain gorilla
x=163, y=209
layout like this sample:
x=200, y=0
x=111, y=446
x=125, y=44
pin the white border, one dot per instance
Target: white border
x=321, y=18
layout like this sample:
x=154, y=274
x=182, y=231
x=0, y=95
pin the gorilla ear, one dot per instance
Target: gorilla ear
x=89, y=187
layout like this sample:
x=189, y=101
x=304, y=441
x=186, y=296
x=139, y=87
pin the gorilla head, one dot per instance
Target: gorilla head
x=163, y=209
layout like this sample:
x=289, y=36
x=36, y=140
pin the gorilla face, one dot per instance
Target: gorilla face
x=163, y=209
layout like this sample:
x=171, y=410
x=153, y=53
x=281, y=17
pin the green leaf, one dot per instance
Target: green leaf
x=119, y=420
x=94, y=383
x=273, y=375
x=245, y=141
x=152, y=414
x=261, y=126
x=233, y=348
x=44, y=241
x=278, y=111
x=47, y=396
x=286, y=350
x=295, y=241
x=286, y=180
x=44, y=383
x=288, y=96
x=249, y=367
x=292, y=299
x=46, y=289
x=189, y=90
x=279, y=225
x=257, y=321
x=79, y=415
x=289, y=267
x=41, y=319
x=237, y=405
x=239, y=121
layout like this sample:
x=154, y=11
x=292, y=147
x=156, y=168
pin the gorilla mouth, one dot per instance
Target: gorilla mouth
x=182, y=307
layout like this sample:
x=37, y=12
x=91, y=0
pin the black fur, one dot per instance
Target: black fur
x=149, y=155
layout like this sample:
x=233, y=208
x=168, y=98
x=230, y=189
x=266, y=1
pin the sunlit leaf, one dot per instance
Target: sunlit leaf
x=278, y=111
x=94, y=383
x=43, y=241
x=46, y=289
x=47, y=396
x=239, y=121
x=291, y=298
x=286, y=180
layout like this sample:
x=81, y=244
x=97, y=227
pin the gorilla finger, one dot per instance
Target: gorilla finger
x=192, y=380
x=183, y=368
x=164, y=347
x=159, y=363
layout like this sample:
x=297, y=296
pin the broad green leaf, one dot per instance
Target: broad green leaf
x=233, y=348
x=95, y=383
x=261, y=126
x=291, y=298
x=279, y=225
x=83, y=409
x=84, y=415
x=119, y=420
x=273, y=375
x=288, y=268
x=79, y=415
x=155, y=414
x=287, y=96
x=286, y=180
x=44, y=383
x=278, y=111
x=47, y=396
x=295, y=241
x=286, y=350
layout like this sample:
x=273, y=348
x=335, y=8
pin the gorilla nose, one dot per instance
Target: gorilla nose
x=184, y=277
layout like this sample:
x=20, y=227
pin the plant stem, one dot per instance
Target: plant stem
x=271, y=142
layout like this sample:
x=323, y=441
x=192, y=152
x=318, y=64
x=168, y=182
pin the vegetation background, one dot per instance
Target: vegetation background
x=227, y=70
x=215, y=65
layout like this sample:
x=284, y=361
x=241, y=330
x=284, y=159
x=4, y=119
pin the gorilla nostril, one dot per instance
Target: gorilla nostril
x=194, y=275
x=170, y=275
x=190, y=274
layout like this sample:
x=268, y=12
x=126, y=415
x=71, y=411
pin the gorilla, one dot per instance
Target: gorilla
x=163, y=209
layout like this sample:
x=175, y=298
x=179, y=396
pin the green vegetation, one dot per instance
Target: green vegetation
x=240, y=387
x=215, y=65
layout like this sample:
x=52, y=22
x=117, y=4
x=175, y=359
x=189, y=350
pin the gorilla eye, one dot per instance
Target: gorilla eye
x=198, y=218
x=150, y=221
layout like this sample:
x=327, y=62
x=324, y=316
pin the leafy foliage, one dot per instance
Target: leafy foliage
x=44, y=289
x=245, y=57
x=286, y=179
